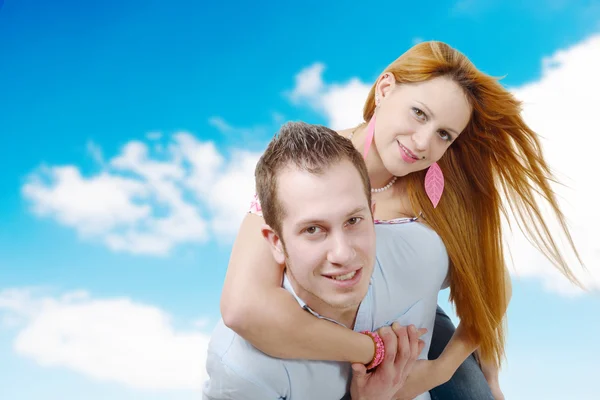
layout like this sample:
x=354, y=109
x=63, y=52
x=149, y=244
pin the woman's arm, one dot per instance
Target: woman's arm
x=429, y=374
x=256, y=307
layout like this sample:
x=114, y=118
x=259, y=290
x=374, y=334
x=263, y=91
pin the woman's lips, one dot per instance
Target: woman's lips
x=407, y=155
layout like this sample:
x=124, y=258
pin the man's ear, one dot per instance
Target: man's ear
x=275, y=243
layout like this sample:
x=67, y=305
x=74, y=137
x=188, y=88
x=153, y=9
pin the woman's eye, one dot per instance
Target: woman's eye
x=445, y=136
x=419, y=113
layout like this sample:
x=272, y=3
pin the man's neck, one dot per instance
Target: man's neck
x=344, y=316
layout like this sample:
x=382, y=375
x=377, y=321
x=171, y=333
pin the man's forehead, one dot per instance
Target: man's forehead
x=337, y=187
x=292, y=176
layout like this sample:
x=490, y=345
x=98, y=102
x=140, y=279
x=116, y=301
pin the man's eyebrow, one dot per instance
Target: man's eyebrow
x=313, y=221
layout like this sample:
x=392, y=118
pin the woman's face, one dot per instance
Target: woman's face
x=417, y=122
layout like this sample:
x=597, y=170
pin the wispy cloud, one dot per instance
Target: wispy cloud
x=154, y=135
x=113, y=339
x=222, y=125
x=95, y=152
x=241, y=134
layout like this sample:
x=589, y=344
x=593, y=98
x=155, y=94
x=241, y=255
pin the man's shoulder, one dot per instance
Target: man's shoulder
x=229, y=351
x=235, y=366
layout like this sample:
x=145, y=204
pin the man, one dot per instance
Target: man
x=316, y=201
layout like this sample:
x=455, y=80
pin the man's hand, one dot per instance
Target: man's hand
x=402, y=347
x=424, y=375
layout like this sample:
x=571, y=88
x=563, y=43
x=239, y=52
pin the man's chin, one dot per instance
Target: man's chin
x=346, y=302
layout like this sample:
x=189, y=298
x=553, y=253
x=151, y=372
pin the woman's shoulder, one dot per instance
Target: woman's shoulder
x=255, y=207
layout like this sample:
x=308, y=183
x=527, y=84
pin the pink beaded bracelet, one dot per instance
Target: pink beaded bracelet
x=379, y=349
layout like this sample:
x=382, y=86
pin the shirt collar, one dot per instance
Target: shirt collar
x=287, y=285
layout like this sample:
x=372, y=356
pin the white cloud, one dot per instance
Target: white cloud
x=146, y=200
x=309, y=83
x=562, y=107
x=115, y=339
x=222, y=187
x=342, y=104
x=227, y=197
x=93, y=204
x=202, y=323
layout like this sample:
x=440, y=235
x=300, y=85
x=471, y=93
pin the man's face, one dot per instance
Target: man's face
x=328, y=236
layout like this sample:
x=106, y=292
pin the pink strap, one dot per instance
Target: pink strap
x=369, y=137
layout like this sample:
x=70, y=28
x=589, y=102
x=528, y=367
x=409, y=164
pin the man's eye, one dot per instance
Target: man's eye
x=354, y=220
x=311, y=230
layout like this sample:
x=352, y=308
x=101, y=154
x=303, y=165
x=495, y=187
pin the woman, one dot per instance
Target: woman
x=431, y=113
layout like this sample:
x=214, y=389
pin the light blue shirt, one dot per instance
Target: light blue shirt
x=411, y=267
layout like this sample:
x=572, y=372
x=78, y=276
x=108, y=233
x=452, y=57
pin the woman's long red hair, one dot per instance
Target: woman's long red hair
x=495, y=166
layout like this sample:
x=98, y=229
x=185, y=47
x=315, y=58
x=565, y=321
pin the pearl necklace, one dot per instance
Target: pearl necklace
x=386, y=187
x=390, y=183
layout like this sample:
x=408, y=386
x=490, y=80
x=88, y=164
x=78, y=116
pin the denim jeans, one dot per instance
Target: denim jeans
x=468, y=382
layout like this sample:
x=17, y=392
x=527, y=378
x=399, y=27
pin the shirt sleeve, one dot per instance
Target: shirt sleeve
x=225, y=383
x=446, y=283
x=255, y=207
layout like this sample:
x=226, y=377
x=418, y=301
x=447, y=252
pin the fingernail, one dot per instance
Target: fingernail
x=413, y=329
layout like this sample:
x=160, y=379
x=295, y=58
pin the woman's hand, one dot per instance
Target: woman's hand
x=402, y=347
x=491, y=373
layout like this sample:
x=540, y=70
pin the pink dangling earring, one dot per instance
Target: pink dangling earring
x=434, y=184
x=370, y=130
x=369, y=136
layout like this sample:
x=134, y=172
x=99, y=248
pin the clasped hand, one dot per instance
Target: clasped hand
x=402, y=348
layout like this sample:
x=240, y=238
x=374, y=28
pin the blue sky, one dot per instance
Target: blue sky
x=129, y=131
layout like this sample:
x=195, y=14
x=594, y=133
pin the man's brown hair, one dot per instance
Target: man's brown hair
x=311, y=148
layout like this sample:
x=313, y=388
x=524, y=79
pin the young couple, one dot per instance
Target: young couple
x=443, y=143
